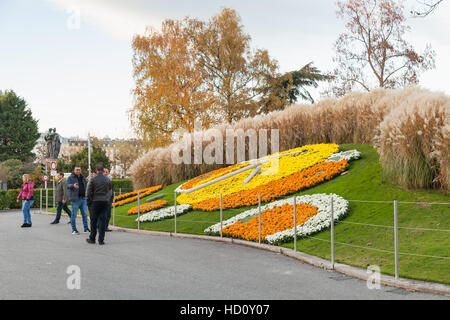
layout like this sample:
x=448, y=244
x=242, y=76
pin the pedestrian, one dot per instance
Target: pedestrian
x=26, y=194
x=76, y=185
x=61, y=198
x=98, y=199
x=111, y=200
x=93, y=174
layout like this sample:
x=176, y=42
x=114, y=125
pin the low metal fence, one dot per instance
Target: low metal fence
x=392, y=235
x=391, y=231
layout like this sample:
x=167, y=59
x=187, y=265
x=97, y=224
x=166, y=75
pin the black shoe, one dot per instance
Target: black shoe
x=75, y=232
x=27, y=225
x=101, y=243
x=89, y=240
x=24, y=225
x=69, y=222
x=54, y=222
x=87, y=230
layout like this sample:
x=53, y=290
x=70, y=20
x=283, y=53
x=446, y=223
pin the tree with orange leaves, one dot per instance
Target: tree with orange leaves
x=170, y=93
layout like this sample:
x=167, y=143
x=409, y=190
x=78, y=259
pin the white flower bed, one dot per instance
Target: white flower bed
x=317, y=223
x=347, y=155
x=164, y=213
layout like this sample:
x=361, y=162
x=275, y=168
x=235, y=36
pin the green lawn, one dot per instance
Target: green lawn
x=364, y=181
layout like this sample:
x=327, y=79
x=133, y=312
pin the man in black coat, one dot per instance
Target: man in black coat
x=98, y=196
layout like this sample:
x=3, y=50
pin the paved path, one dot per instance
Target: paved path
x=33, y=264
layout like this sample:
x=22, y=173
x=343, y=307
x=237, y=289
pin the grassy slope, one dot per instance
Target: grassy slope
x=363, y=181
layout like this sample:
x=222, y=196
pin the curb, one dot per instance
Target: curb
x=355, y=272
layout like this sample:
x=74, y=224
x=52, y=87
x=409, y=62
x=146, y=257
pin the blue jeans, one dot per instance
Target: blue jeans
x=59, y=209
x=79, y=204
x=26, y=205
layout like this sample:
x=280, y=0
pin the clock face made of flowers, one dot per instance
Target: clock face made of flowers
x=270, y=177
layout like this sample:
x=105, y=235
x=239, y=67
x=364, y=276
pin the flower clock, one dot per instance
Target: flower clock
x=270, y=177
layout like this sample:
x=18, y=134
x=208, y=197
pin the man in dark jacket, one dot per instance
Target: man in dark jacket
x=98, y=196
x=76, y=185
x=61, y=198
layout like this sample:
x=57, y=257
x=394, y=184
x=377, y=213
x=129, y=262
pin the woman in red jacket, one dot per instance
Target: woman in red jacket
x=26, y=194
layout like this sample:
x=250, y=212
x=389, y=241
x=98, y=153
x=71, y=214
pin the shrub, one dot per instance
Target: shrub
x=8, y=199
x=126, y=185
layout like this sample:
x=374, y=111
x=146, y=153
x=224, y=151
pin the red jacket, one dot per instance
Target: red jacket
x=26, y=191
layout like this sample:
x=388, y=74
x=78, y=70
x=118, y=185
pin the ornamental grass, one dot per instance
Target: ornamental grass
x=379, y=118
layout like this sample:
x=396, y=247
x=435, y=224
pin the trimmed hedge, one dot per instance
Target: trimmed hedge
x=8, y=198
x=125, y=184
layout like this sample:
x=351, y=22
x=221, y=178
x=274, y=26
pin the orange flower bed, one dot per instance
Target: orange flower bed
x=142, y=193
x=146, y=207
x=273, y=220
x=211, y=175
x=306, y=178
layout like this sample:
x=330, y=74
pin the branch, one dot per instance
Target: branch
x=430, y=8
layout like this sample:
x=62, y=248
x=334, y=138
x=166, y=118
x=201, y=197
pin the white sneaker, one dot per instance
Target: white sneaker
x=75, y=232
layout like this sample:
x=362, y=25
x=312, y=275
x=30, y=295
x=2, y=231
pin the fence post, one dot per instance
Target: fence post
x=396, y=238
x=120, y=191
x=46, y=199
x=259, y=220
x=175, y=213
x=139, y=211
x=114, y=209
x=295, y=223
x=332, y=233
x=40, y=200
x=53, y=192
x=221, y=220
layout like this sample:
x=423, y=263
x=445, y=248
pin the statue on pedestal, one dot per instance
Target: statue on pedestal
x=53, y=141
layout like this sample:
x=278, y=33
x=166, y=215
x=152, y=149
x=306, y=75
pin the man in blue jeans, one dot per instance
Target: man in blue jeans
x=76, y=185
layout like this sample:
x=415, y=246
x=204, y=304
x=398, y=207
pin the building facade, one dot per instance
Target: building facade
x=72, y=145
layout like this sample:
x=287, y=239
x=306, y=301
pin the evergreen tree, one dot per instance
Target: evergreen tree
x=18, y=129
x=98, y=156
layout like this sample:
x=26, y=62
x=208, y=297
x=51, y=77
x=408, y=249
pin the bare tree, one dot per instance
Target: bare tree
x=372, y=52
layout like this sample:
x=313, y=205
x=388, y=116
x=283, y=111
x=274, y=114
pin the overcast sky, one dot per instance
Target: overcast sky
x=71, y=59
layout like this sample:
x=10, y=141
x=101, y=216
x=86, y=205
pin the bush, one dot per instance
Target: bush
x=126, y=185
x=8, y=199
x=359, y=118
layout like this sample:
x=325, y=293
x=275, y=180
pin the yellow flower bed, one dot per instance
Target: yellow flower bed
x=142, y=193
x=277, y=168
x=211, y=175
